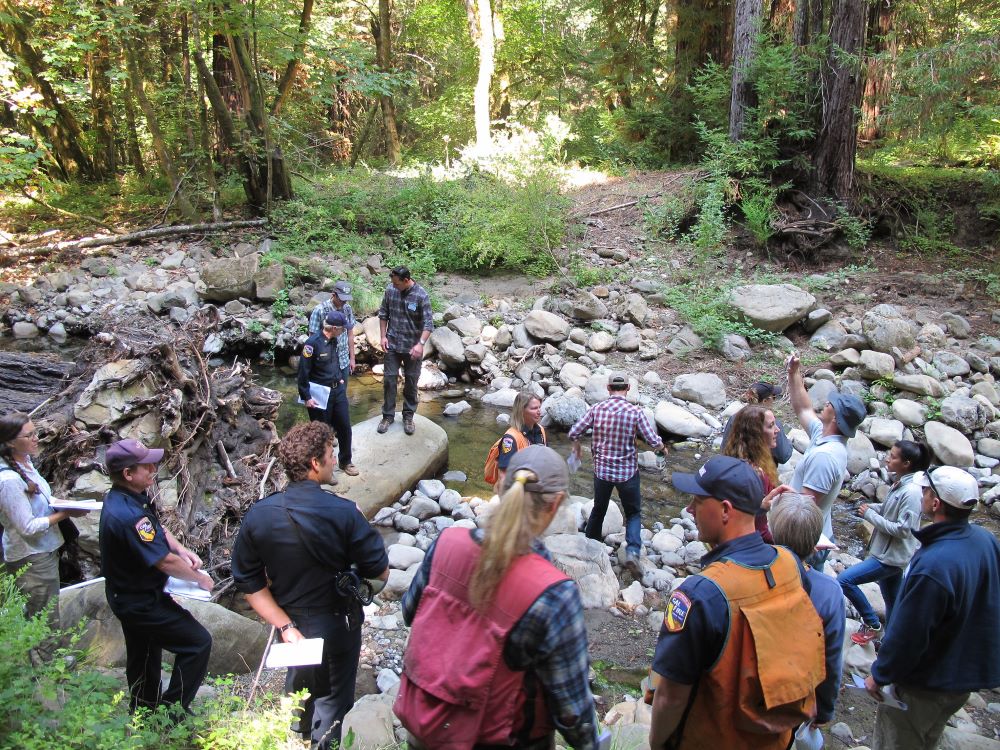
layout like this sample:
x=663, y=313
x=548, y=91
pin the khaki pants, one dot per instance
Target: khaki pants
x=39, y=581
x=919, y=727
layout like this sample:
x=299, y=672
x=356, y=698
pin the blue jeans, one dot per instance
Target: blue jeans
x=889, y=580
x=628, y=493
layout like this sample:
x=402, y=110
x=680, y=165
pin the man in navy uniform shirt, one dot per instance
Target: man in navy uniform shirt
x=137, y=556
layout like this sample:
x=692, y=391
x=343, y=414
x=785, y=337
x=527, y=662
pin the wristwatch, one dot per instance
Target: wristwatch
x=287, y=626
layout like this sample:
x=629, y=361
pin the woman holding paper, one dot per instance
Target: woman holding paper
x=31, y=536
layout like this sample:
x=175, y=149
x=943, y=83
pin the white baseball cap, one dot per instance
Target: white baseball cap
x=952, y=485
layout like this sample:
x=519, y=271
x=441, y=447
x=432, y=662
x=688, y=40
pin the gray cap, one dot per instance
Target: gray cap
x=618, y=379
x=343, y=291
x=549, y=468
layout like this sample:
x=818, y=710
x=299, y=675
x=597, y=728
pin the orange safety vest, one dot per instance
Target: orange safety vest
x=491, y=472
x=764, y=682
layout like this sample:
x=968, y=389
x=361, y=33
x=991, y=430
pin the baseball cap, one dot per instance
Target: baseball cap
x=766, y=390
x=127, y=453
x=724, y=478
x=549, y=468
x=343, y=291
x=335, y=318
x=850, y=411
x=617, y=379
x=952, y=485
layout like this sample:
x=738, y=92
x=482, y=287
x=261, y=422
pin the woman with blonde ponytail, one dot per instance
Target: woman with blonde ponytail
x=497, y=654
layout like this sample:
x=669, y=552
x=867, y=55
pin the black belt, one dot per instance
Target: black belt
x=294, y=612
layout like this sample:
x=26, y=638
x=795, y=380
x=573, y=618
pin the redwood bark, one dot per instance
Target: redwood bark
x=745, y=31
x=878, y=67
x=383, y=49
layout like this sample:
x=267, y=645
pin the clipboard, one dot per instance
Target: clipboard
x=305, y=653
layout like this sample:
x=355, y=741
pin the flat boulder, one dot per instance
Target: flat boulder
x=230, y=278
x=679, y=421
x=546, y=326
x=922, y=385
x=705, y=388
x=949, y=445
x=772, y=307
x=449, y=347
x=586, y=562
x=586, y=306
x=370, y=723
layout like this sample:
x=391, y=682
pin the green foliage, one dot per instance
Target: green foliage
x=760, y=213
x=703, y=304
x=280, y=305
x=585, y=275
x=255, y=326
x=857, y=232
x=664, y=218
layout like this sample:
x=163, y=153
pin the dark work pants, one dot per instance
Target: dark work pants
x=338, y=415
x=628, y=493
x=330, y=683
x=152, y=623
x=411, y=374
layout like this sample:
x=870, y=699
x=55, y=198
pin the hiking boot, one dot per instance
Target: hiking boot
x=350, y=469
x=632, y=563
x=408, y=426
x=383, y=426
x=866, y=634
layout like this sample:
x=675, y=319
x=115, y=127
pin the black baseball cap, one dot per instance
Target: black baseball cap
x=335, y=318
x=342, y=290
x=724, y=478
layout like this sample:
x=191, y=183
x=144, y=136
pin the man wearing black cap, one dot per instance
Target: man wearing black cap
x=340, y=301
x=406, y=322
x=820, y=474
x=323, y=385
x=137, y=556
x=741, y=648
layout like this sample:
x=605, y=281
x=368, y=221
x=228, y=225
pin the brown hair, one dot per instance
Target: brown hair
x=301, y=445
x=10, y=427
x=509, y=532
x=747, y=441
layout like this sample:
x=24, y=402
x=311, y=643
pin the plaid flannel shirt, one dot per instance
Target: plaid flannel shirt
x=319, y=314
x=615, y=422
x=551, y=640
x=405, y=324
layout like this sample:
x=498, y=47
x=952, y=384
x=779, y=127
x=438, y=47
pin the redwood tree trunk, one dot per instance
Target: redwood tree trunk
x=878, y=70
x=745, y=31
x=383, y=49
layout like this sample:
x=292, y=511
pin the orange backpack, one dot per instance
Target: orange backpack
x=491, y=472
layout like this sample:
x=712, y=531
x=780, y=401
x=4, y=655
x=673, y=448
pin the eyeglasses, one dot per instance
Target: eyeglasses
x=930, y=481
x=33, y=435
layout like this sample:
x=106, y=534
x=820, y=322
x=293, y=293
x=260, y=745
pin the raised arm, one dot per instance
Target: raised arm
x=801, y=403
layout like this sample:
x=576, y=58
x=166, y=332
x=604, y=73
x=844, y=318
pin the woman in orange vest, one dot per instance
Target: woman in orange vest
x=525, y=429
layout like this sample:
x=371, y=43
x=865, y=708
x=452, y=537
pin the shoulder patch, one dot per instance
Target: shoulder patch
x=307, y=351
x=507, y=444
x=678, y=609
x=145, y=528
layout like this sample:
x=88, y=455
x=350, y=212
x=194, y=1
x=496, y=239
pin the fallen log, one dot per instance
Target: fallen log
x=27, y=380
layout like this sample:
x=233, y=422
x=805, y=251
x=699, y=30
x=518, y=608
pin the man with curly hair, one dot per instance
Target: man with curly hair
x=291, y=548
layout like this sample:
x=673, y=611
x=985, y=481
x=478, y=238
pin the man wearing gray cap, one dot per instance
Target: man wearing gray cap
x=943, y=640
x=340, y=301
x=820, y=474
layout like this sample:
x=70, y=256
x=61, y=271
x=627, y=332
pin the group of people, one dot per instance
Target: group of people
x=749, y=649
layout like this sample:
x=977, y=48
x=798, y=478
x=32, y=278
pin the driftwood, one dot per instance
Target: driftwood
x=144, y=234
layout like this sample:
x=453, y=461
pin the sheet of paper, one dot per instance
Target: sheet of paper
x=305, y=653
x=58, y=504
x=574, y=463
x=190, y=589
x=321, y=393
x=80, y=585
x=826, y=543
x=889, y=695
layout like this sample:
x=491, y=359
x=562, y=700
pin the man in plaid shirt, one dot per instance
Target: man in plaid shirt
x=614, y=422
x=340, y=301
x=406, y=323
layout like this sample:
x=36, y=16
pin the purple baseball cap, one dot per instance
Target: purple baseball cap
x=127, y=453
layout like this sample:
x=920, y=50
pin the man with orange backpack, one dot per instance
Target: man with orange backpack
x=525, y=429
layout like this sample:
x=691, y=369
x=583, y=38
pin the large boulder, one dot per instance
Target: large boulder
x=614, y=519
x=628, y=339
x=563, y=410
x=237, y=641
x=601, y=341
x=546, y=326
x=964, y=413
x=636, y=309
x=874, y=365
x=268, y=282
x=466, y=325
x=923, y=385
x=705, y=388
x=449, y=348
x=949, y=445
x=829, y=337
x=230, y=278
x=586, y=562
x=596, y=389
x=772, y=307
x=679, y=421
x=574, y=375
x=113, y=387
x=392, y=463
x=370, y=723
x=586, y=306
x=373, y=332
x=950, y=364
x=885, y=432
x=886, y=327
x=860, y=452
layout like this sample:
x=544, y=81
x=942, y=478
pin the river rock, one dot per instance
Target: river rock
x=817, y=318
x=113, y=387
x=951, y=364
x=885, y=432
x=23, y=329
x=954, y=738
x=456, y=409
x=679, y=421
x=545, y=326
x=432, y=488
x=989, y=447
x=268, y=282
x=601, y=341
x=466, y=325
x=957, y=325
x=504, y=397
x=909, y=412
x=830, y=337
x=820, y=392
x=402, y=556
x=628, y=339
x=370, y=724
x=636, y=309
x=614, y=520
x=666, y=541
x=964, y=413
x=685, y=341
x=986, y=390
x=564, y=410
x=586, y=306
x=735, y=348
x=398, y=583
x=476, y=353
x=860, y=452
x=949, y=445
x=845, y=358
x=923, y=385
x=373, y=334
x=875, y=365
x=230, y=278
x=574, y=375
x=932, y=336
x=392, y=463
x=886, y=327
x=449, y=348
x=772, y=307
x=705, y=388
x=586, y=562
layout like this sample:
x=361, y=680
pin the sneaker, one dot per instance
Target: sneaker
x=383, y=426
x=632, y=563
x=408, y=426
x=866, y=634
x=350, y=469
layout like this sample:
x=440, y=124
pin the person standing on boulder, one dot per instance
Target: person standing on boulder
x=943, y=641
x=615, y=423
x=406, y=322
x=340, y=301
x=323, y=386
x=137, y=557
x=820, y=474
x=291, y=552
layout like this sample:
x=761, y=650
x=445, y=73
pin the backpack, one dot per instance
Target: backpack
x=491, y=472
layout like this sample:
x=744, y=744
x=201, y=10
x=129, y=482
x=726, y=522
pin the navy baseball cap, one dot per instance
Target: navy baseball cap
x=850, y=411
x=724, y=478
x=335, y=318
x=127, y=453
x=342, y=290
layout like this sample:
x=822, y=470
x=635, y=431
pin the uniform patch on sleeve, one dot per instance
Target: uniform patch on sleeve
x=507, y=444
x=678, y=609
x=145, y=528
x=307, y=351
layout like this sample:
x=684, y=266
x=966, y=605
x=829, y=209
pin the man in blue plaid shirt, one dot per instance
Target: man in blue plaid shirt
x=615, y=422
x=406, y=323
x=340, y=301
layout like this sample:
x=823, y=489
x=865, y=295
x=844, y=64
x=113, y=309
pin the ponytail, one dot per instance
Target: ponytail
x=917, y=455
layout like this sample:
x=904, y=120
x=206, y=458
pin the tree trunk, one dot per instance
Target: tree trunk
x=383, y=49
x=134, y=152
x=837, y=143
x=617, y=21
x=878, y=70
x=285, y=84
x=780, y=18
x=745, y=31
x=503, y=76
x=64, y=132
x=102, y=105
x=481, y=28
